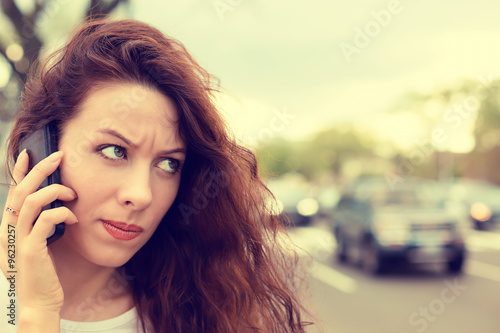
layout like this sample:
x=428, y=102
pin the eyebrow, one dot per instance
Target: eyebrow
x=133, y=145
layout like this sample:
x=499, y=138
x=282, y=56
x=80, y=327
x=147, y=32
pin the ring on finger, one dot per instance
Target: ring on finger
x=12, y=210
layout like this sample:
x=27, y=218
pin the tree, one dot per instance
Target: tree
x=22, y=45
x=456, y=110
x=326, y=153
x=488, y=117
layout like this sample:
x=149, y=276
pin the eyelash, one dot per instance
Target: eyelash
x=100, y=149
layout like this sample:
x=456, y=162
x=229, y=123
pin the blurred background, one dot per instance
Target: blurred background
x=376, y=124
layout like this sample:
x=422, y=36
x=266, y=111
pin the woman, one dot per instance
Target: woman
x=166, y=222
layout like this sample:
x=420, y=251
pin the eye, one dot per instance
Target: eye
x=170, y=165
x=113, y=152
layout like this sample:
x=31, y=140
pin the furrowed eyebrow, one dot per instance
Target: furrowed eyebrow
x=133, y=145
x=118, y=135
x=173, y=151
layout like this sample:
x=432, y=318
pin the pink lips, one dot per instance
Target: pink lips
x=122, y=231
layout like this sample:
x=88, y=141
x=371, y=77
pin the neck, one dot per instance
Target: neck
x=91, y=292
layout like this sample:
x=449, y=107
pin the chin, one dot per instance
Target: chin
x=95, y=248
x=105, y=255
x=109, y=259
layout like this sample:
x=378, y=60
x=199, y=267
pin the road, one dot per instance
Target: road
x=404, y=300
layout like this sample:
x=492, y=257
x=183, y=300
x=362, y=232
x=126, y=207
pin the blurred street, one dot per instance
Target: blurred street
x=404, y=300
x=332, y=93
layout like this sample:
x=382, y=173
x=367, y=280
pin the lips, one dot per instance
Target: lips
x=121, y=230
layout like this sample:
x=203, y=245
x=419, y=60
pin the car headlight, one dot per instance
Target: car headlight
x=307, y=207
x=480, y=211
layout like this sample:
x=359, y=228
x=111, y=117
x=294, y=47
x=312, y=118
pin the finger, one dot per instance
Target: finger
x=31, y=182
x=20, y=170
x=18, y=174
x=34, y=203
x=45, y=223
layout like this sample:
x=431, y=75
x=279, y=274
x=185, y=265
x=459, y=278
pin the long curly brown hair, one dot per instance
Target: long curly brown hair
x=215, y=263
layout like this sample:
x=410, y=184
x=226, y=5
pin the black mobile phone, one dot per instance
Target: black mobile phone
x=39, y=145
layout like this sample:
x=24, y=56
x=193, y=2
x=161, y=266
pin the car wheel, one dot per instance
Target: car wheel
x=371, y=261
x=478, y=225
x=456, y=266
x=341, y=249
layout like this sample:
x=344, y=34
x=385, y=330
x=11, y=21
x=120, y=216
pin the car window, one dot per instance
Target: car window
x=345, y=202
x=409, y=195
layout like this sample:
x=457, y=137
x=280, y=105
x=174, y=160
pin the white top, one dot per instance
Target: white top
x=127, y=322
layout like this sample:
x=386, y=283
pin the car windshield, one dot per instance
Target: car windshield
x=410, y=196
x=407, y=198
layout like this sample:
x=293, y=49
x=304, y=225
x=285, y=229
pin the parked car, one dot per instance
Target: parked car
x=327, y=195
x=294, y=198
x=480, y=201
x=375, y=225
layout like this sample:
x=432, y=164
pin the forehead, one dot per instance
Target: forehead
x=135, y=109
x=122, y=101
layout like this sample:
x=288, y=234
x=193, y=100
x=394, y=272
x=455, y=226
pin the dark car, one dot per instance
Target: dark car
x=376, y=225
x=294, y=198
x=480, y=201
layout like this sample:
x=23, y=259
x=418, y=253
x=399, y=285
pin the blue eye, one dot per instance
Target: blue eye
x=169, y=165
x=113, y=152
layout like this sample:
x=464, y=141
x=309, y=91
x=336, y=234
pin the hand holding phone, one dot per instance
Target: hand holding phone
x=38, y=287
x=39, y=145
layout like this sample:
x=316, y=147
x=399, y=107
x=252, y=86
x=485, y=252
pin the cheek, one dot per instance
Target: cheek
x=67, y=175
x=86, y=181
x=88, y=197
x=164, y=198
x=77, y=149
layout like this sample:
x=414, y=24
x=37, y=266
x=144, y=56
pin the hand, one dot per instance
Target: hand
x=37, y=284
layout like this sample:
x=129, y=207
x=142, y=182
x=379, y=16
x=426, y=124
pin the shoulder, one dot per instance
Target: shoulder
x=127, y=322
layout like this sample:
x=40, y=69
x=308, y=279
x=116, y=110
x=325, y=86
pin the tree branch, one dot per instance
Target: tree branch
x=92, y=8
x=12, y=65
x=12, y=11
x=39, y=7
x=113, y=5
x=25, y=29
x=98, y=8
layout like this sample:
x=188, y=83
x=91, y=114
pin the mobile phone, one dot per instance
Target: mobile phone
x=39, y=145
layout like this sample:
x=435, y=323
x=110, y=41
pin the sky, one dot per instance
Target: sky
x=293, y=68
x=329, y=62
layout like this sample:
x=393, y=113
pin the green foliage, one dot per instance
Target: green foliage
x=326, y=152
x=338, y=150
x=487, y=125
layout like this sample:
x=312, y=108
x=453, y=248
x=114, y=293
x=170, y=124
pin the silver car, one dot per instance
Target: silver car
x=376, y=225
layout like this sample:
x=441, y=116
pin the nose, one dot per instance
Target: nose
x=135, y=191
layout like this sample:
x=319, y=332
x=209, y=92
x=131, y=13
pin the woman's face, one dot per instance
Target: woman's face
x=123, y=158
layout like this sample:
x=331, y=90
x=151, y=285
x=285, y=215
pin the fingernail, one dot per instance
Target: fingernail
x=21, y=155
x=72, y=219
x=55, y=157
x=73, y=193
